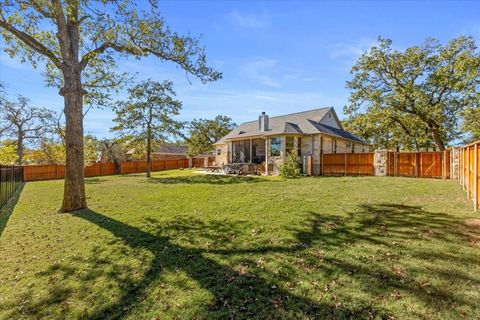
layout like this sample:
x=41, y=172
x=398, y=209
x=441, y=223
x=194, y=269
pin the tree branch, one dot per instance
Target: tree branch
x=31, y=42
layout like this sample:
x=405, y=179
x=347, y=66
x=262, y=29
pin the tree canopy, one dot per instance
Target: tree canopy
x=471, y=124
x=415, y=96
x=203, y=133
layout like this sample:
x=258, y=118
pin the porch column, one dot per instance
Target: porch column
x=266, y=156
x=251, y=148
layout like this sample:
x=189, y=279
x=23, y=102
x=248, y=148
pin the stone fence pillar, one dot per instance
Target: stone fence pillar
x=380, y=162
x=455, y=161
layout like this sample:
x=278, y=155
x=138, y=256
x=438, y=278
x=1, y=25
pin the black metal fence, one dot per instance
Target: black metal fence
x=11, y=177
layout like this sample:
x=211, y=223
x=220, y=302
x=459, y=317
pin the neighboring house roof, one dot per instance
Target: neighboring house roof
x=170, y=149
x=166, y=149
x=306, y=122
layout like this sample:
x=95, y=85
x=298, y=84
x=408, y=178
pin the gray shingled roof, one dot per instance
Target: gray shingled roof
x=170, y=149
x=306, y=122
x=337, y=132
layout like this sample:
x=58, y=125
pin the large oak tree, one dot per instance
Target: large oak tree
x=203, y=133
x=420, y=89
x=80, y=41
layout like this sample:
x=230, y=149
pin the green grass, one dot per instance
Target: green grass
x=185, y=246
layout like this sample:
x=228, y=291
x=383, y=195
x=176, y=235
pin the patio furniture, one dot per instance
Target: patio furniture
x=213, y=169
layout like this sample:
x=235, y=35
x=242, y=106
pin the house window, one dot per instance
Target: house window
x=299, y=146
x=289, y=145
x=334, y=146
x=258, y=150
x=275, y=146
x=353, y=147
x=219, y=152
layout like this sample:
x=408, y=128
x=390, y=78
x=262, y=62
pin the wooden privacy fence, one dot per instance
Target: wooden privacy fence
x=156, y=165
x=469, y=167
x=57, y=171
x=202, y=162
x=169, y=164
x=398, y=164
x=348, y=164
x=419, y=164
x=11, y=178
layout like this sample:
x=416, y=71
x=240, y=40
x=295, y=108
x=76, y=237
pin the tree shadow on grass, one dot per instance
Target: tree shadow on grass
x=236, y=295
x=7, y=211
x=388, y=226
x=208, y=179
x=240, y=294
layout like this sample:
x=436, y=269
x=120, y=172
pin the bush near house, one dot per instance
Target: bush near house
x=291, y=167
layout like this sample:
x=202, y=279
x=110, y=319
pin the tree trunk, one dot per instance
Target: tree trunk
x=437, y=139
x=20, y=147
x=149, y=152
x=74, y=187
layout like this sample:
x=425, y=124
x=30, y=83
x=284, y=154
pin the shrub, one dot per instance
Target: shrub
x=291, y=168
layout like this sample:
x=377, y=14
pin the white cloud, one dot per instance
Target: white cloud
x=270, y=73
x=260, y=69
x=248, y=20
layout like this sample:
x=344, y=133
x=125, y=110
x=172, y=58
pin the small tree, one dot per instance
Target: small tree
x=113, y=150
x=148, y=113
x=21, y=122
x=203, y=133
x=291, y=167
x=48, y=152
x=8, y=152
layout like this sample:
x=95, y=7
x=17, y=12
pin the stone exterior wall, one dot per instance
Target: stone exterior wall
x=455, y=161
x=380, y=162
x=221, y=154
x=274, y=163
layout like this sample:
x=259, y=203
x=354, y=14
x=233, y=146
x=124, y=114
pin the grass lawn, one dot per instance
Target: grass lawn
x=186, y=246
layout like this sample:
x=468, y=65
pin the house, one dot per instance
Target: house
x=165, y=152
x=268, y=140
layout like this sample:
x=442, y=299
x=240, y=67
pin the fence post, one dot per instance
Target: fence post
x=475, y=177
x=345, y=165
x=321, y=159
x=463, y=169
x=416, y=163
x=468, y=172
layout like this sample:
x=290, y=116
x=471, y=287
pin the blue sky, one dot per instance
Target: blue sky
x=278, y=57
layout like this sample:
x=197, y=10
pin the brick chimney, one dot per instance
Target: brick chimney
x=263, y=122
